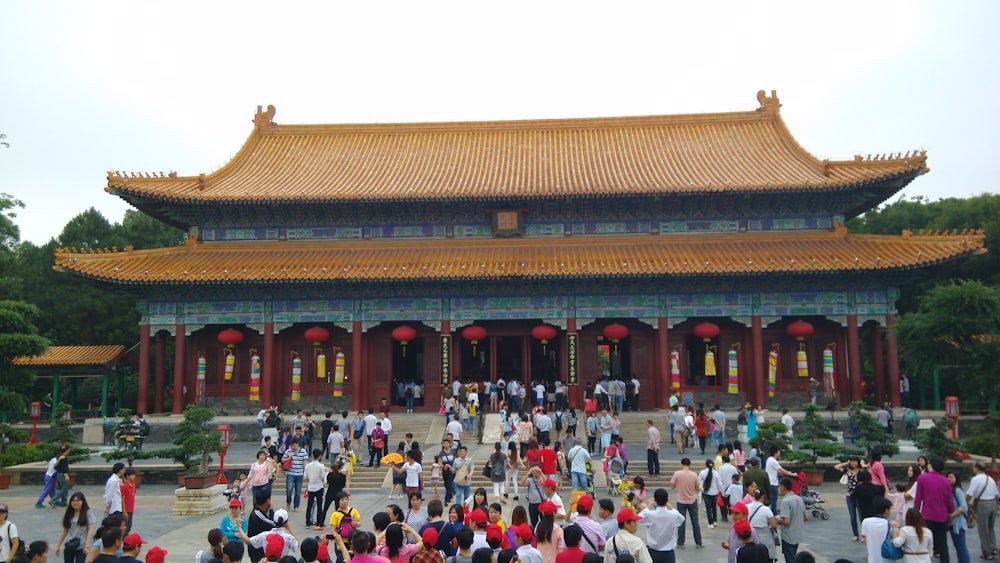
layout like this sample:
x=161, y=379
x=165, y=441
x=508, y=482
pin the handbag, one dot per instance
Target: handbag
x=775, y=537
x=720, y=500
x=73, y=545
x=462, y=475
x=843, y=479
x=890, y=551
x=970, y=512
x=487, y=471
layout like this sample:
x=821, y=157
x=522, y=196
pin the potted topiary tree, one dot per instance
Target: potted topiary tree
x=868, y=433
x=771, y=434
x=125, y=440
x=195, y=441
x=817, y=441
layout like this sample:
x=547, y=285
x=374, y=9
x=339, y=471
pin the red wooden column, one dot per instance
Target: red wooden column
x=267, y=365
x=359, y=396
x=854, y=357
x=662, y=388
x=892, y=356
x=758, y=374
x=877, y=367
x=159, y=381
x=180, y=368
x=140, y=402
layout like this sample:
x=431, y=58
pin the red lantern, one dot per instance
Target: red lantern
x=230, y=337
x=404, y=334
x=317, y=335
x=474, y=333
x=615, y=333
x=544, y=333
x=706, y=331
x=799, y=329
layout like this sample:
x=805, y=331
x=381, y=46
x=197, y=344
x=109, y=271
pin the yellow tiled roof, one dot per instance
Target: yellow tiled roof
x=676, y=154
x=543, y=257
x=74, y=356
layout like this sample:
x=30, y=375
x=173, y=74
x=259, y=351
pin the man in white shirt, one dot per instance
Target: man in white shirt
x=635, y=393
x=113, y=490
x=370, y=420
x=652, y=449
x=788, y=421
x=982, y=497
x=661, y=523
x=454, y=429
x=455, y=384
x=540, y=394
x=719, y=416
x=315, y=473
x=335, y=444
x=513, y=399
x=543, y=423
x=875, y=528
x=387, y=428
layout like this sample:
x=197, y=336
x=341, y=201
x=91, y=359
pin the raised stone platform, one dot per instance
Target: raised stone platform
x=206, y=501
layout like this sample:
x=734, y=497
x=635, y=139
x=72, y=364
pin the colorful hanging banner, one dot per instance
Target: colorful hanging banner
x=675, y=370
x=734, y=373
x=772, y=373
x=709, y=363
x=829, y=382
x=230, y=365
x=296, y=379
x=321, y=366
x=803, y=362
x=338, y=375
x=199, y=387
x=255, y=377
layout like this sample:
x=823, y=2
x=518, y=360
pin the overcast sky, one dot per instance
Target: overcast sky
x=93, y=86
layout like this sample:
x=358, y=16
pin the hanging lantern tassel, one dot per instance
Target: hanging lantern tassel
x=199, y=388
x=772, y=372
x=321, y=366
x=338, y=376
x=709, y=362
x=254, y=377
x=803, y=361
x=675, y=370
x=734, y=373
x=296, y=379
x=230, y=365
x=829, y=383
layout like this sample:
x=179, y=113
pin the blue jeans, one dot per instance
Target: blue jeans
x=961, y=548
x=774, y=500
x=719, y=437
x=579, y=480
x=789, y=550
x=619, y=402
x=852, y=508
x=293, y=489
x=409, y=403
x=691, y=516
x=462, y=492
x=260, y=488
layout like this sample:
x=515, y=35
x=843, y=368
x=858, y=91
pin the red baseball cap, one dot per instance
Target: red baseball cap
x=524, y=532
x=739, y=507
x=132, y=541
x=275, y=545
x=626, y=515
x=586, y=502
x=156, y=555
x=430, y=536
x=479, y=517
x=547, y=507
x=493, y=532
x=742, y=528
x=549, y=483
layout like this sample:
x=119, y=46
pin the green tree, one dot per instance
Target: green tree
x=10, y=284
x=868, y=433
x=18, y=337
x=142, y=232
x=936, y=441
x=957, y=324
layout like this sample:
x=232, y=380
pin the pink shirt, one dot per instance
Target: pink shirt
x=686, y=483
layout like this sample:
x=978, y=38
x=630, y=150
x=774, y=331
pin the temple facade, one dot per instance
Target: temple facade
x=705, y=254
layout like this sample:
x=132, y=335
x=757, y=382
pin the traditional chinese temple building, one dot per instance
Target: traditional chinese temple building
x=705, y=253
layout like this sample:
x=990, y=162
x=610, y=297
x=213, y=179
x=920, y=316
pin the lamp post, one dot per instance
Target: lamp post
x=951, y=411
x=224, y=428
x=36, y=413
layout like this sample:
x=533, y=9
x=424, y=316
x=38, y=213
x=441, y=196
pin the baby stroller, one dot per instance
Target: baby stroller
x=812, y=500
x=616, y=471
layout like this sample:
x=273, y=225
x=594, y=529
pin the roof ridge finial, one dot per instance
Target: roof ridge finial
x=768, y=104
x=264, y=120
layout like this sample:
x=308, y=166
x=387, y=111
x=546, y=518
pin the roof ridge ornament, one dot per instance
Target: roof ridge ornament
x=264, y=120
x=768, y=104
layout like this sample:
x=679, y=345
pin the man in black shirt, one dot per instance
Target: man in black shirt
x=261, y=520
x=326, y=427
x=111, y=540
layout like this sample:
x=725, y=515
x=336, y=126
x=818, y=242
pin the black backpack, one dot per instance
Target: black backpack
x=22, y=551
x=143, y=428
x=272, y=420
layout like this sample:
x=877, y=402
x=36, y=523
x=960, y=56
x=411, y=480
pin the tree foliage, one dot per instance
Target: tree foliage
x=936, y=441
x=817, y=439
x=868, y=433
x=18, y=337
x=956, y=324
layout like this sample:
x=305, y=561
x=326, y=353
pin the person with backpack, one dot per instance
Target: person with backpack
x=141, y=430
x=10, y=543
x=344, y=519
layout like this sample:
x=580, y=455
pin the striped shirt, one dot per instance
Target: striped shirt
x=299, y=459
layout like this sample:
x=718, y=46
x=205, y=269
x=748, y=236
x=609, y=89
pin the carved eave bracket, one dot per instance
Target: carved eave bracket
x=264, y=120
x=768, y=104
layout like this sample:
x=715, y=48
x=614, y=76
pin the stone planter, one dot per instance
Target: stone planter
x=204, y=502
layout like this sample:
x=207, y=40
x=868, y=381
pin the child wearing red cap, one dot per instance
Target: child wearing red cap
x=523, y=536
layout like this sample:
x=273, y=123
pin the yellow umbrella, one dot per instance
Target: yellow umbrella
x=394, y=457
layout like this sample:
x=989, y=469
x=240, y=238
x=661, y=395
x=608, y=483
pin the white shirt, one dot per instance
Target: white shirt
x=875, y=530
x=455, y=429
x=772, y=469
x=560, y=509
x=113, y=494
x=315, y=472
x=661, y=527
x=713, y=485
x=413, y=471
x=370, y=421
x=7, y=531
x=977, y=490
x=788, y=421
x=761, y=514
x=51, y=469
x=291, y=544
x=635, y=383
x=539, y=391
x=386, y=425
